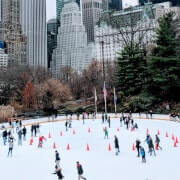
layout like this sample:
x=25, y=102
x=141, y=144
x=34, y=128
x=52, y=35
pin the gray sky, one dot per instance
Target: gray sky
x=51, y=7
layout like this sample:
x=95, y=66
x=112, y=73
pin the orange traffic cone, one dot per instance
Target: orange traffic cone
x=158, y=132
x=87, y=147
x=68, y=147
x=74, y=132
x=109, y=147
x=89, y=130
x=49, y=135
x=175, y=144
x=133, y=147
x=166, y=134
x=31, y=141
x=177, y=140
x=54, y=145
x=173, y=137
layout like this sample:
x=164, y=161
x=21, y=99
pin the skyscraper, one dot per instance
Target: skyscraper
x=60, y=5
x=72, y=49
x=51, y=38
x=33, y=20
x=115, y=5
x=92, y=11
x=11, y=32
x=174, y=2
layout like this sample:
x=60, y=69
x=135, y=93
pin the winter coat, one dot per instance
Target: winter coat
x=116, y=143
x=138, y=144
x=57, y=157
x=5, y=133
x=79, y=169
x=157, y=140
x=142, y=152
x=24, y=131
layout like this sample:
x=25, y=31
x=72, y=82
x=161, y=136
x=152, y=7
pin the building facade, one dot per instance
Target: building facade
x=51, y=38
x=3, y=60
x=109, y=41
x=72, y=49
x=91, y=11
x=33, y=20
x=11, y=32
x=115, y=5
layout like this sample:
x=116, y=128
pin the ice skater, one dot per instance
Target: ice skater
x=19, y=137
x=105, y=133
x=24, y=131
x=80, y=171
x=151, y=147
x=157, y=141
x=57, y=158
x=40, y=144
x=11, y=145
x=143, y=154
x=109, y=121
x=138, y=142
x=116, y=143
x=58, y=172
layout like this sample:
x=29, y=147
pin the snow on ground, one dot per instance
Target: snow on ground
x=30, y=163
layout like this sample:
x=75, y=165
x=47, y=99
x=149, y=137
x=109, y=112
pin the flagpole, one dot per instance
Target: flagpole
x=105, y=94
x=115, y=99
x=95, y=99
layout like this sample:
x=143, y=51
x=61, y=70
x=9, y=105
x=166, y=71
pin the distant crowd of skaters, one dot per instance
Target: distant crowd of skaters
x=21, y=131
x=126, y=120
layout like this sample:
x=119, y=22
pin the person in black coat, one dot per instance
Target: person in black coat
x=4, y=135
x=116, y=143
x=57, y=158
x=24, y=131
x=151, y=147
x=58, y=172
x=138, y=142
x=109, y=121
x=80, y=171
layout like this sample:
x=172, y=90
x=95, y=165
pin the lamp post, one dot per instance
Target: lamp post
x=104, y=74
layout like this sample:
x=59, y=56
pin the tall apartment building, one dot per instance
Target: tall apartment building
x=72, y=49
x=60, y=5
x=33, y=20
x=92, y=11
x=109, y=41
x=51, y=38
x=11, y=32
x=3, y=60
x=174, y=2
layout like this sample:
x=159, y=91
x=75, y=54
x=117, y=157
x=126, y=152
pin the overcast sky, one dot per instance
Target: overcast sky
x=51, y=7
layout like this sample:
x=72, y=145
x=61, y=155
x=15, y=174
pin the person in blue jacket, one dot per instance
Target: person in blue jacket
x=143, y=154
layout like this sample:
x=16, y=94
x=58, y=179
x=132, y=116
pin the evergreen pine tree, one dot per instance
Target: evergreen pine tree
x=164, y=64
x=131, y=70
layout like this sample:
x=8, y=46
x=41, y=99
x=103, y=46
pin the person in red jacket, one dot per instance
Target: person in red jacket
x=80, y=171
x=41, y=138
